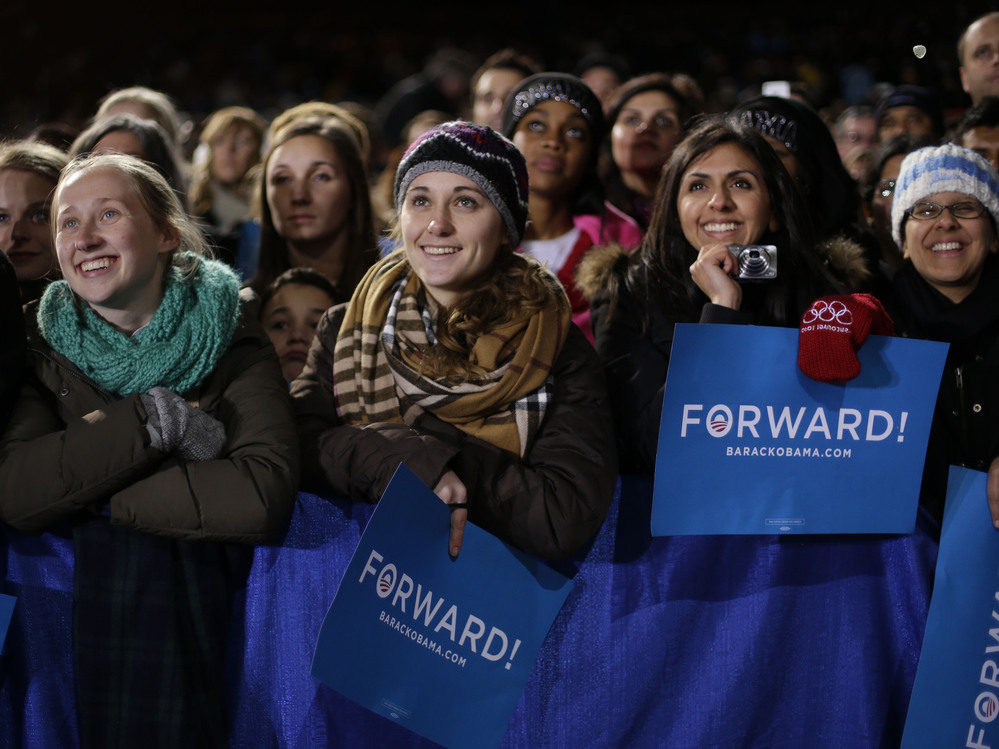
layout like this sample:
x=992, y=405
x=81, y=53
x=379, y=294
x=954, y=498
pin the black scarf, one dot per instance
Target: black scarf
x=926, y=313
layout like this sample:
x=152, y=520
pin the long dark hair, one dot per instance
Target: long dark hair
x=610, y=173
x=660, y=267
x=362, y=244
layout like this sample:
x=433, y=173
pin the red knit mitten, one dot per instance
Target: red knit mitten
x=832, y=331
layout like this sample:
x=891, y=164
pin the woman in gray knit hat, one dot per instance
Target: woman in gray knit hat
x=456, y=356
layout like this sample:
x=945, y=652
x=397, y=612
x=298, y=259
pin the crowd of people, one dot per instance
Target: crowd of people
x=478, y=276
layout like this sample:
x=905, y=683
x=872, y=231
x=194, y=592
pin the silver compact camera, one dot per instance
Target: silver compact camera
x=757, y=262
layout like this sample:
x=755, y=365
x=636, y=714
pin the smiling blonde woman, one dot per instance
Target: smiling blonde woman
x=165, y=430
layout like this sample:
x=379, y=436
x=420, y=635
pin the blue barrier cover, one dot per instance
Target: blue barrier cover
x=750, y=444
x=6, y=611
x=735, y=642
x=441, y=646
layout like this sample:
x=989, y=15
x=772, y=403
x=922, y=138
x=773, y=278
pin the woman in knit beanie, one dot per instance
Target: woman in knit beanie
x=456, y=356
x=155, y=427
x=944, y=219
x=558, y=124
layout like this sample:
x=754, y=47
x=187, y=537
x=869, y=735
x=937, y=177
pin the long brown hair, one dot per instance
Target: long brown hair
x=663, y=260
x=514, y=284
x=362, y=243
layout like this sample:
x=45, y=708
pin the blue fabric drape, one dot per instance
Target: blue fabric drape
x=735, y=641
x=37, y=675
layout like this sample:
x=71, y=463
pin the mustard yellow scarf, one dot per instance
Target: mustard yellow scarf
x=388, y=331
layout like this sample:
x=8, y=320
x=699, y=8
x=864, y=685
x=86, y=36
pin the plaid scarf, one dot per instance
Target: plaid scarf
x=151, y=617
x=387, y=332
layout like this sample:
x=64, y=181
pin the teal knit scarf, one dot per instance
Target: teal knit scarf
x=179, y=347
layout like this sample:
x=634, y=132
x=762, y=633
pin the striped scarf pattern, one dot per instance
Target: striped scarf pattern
x=386, y=335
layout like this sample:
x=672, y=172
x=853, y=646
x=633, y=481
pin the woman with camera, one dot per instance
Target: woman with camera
x=723, y=187
x=737, y=601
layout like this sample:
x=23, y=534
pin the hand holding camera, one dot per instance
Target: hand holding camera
x=714, y=272
x=756, y=262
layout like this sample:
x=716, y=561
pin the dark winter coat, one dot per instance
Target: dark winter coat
x=71, y=448
x=550, y=503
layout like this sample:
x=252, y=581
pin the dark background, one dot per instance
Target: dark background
x=59, y=60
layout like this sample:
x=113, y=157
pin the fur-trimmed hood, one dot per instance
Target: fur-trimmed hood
x=596, y=268
x=846, y=260
x=843, y=258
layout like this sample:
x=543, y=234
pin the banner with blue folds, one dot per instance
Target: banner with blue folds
x=441, y=646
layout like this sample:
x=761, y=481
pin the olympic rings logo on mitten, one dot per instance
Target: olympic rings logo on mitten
x=823, y=311
x=833, y=329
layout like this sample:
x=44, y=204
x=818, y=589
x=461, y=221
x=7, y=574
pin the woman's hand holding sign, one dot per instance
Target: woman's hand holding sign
x=451, y=489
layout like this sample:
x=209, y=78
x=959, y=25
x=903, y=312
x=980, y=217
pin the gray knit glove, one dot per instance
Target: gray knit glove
x=177, y=427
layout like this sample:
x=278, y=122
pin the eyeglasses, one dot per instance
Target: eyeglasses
x=886, y=187
x=927, y=211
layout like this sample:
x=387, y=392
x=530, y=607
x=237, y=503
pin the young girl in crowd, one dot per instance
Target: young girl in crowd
x=165, y=431
x=557, y=122
x=724, y=185
x=456, y=356
x=315, y=205
x=28, y=175
x=290, y=309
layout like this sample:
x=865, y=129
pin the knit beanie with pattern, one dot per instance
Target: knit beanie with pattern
x=946, y=168
x=482, y=155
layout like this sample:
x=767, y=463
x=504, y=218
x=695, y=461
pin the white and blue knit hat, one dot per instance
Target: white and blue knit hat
x=484, y=156
x=946, y=168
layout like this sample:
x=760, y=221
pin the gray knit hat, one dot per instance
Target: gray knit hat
x=480, y=153
x=946, y=168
